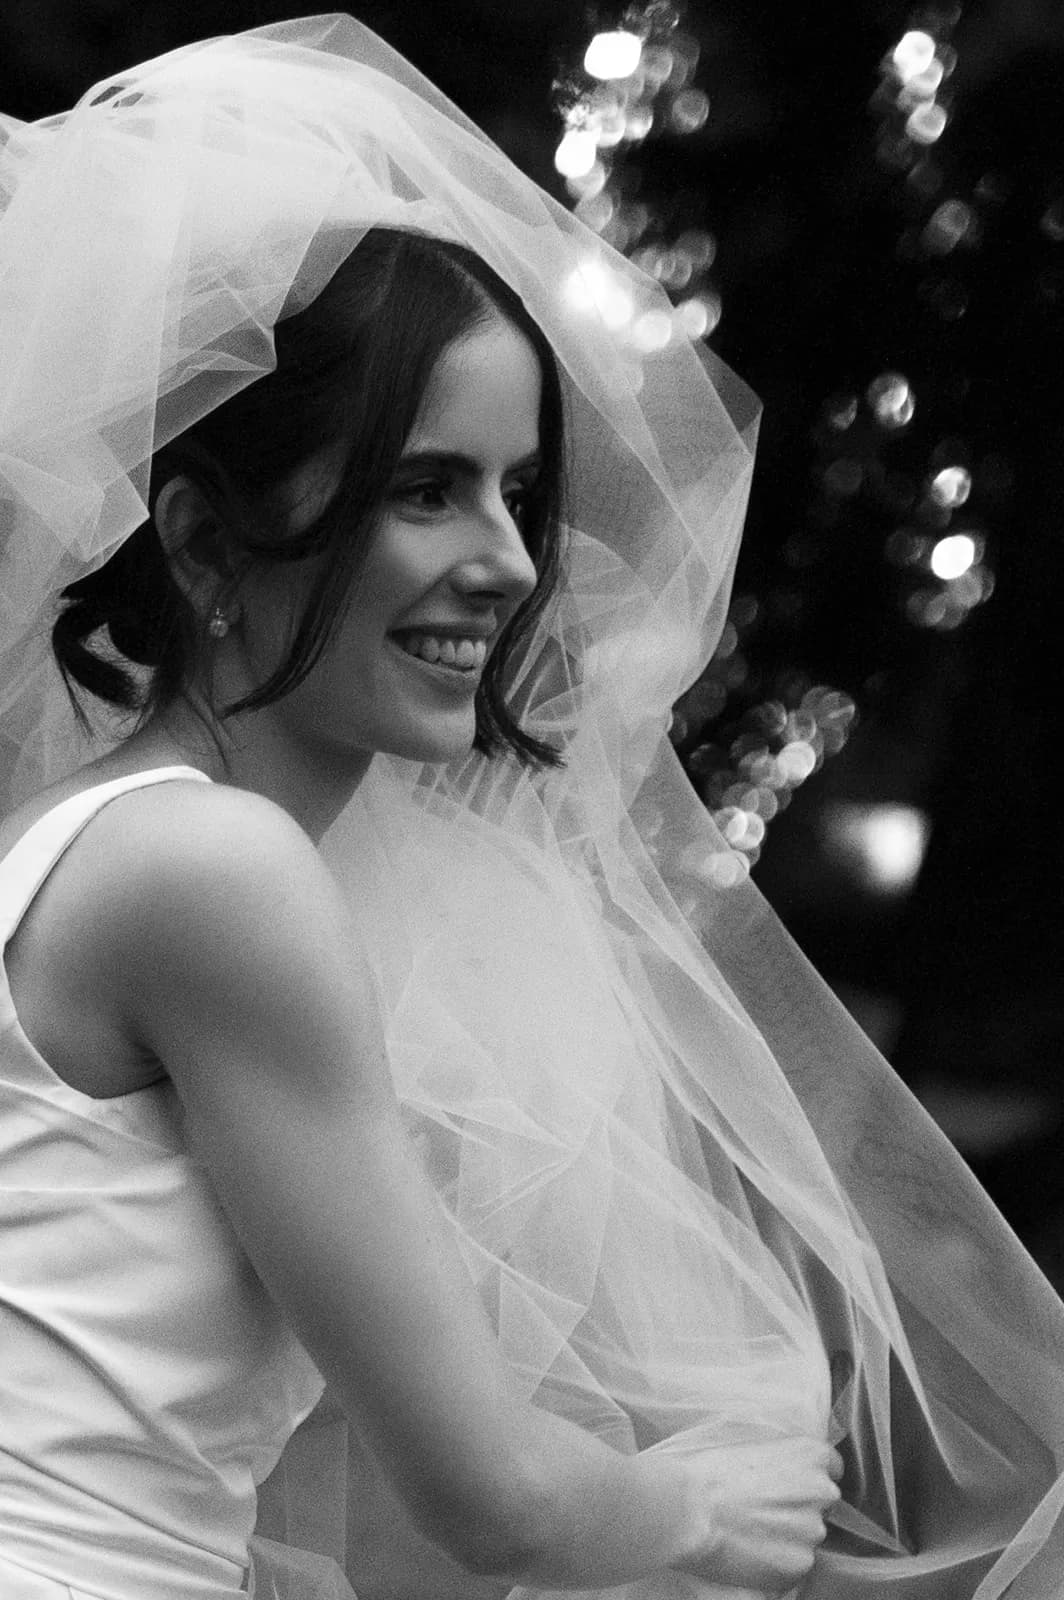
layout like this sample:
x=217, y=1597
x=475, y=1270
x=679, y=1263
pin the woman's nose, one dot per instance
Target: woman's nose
x=501, y=562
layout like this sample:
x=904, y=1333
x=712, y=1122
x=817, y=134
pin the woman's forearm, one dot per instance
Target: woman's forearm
x=749, y=1516
x=577, y=1514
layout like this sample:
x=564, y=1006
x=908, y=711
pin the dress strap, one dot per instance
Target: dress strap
x=32, y=857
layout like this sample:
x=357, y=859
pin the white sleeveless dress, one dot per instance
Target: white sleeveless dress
x=147, y=1382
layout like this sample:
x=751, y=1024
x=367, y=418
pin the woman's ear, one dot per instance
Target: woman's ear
x=188, y=531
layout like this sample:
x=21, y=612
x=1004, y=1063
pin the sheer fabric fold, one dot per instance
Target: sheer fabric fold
x=698, y=1205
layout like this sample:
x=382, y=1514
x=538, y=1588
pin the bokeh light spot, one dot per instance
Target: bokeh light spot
x=591, y=184
x=913, y=54
x=840, y=411
x=698, y=246
x=951, y=487
x=577, y=153
x=595, y=288
x=796, y=762
x=922, y=85
x=690, y=110
x=652, y=331
x=657, y=62
x=699, y=316
x=926, y=123
x=1052, y=223
x=613, y=55
x=951, y=222
x=953, y=556
x=596, y=211
x=638, y=123
x=727, y=868
x=892, y=400
x=883, y=845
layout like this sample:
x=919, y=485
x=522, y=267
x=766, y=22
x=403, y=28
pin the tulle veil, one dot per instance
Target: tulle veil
x=698, y=1205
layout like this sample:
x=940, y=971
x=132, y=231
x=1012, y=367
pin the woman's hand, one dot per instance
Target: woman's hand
x=764, y=1508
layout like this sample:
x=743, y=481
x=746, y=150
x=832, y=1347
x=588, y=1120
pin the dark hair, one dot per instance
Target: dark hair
x=353, y=367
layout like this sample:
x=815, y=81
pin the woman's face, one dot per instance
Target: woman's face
x=446, y=569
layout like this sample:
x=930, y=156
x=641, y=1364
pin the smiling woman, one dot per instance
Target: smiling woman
x=258, y=520
x=445, y=565
x=380, y=1010
x=448, y=566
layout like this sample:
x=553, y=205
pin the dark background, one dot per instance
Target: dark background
x=827, y=281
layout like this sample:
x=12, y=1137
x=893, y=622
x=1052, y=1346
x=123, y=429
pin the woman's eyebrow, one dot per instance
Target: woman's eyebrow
x=455, y=461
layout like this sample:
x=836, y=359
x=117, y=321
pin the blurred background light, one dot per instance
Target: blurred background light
x=638, y=123
x=1052, y=223
x=595, y=288
x=882, y=845
x=596, y=210
x=577, y=153
x=796, y=762
x=652, y=331
x=922, y=85
x=698, y=316
x=892, y=400
x=951, y=222
x=588, y=184
x=690, y=110
x=913, y=54
x=951, y=486
x=658, y=64
x=840, y=411
x=926, y=123
x=952, y=556
x=699, y=246
x=610, y=130
x=914, y=300
x=614, y=55
x=726, y=868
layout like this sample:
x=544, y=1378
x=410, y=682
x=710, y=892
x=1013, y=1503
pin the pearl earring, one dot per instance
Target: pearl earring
x=218, y=626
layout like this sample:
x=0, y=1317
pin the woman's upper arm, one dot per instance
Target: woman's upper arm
x=246, y=982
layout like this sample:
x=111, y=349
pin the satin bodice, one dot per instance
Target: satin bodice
x=147, y=1380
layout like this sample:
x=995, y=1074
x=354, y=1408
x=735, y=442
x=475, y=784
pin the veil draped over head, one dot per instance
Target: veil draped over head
x=699, y=1206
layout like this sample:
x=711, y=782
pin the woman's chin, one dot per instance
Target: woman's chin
x=433, y=744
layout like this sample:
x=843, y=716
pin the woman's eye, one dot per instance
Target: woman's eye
x=430, y=496
x=518, y=501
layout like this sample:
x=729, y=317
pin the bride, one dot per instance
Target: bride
x=381, y=1007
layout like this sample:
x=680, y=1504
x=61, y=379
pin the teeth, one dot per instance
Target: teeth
x=465, y=655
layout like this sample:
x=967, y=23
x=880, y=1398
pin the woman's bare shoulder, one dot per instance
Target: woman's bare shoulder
x=155, y=825
x=227, y=945
x=163, y=897
x=185, y=874
x=190, y=846
x=145, y=802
